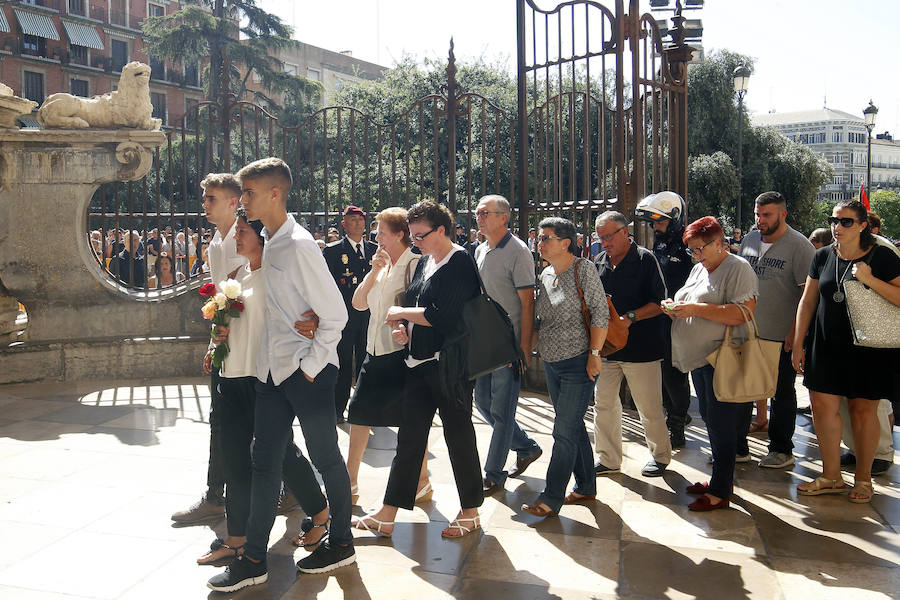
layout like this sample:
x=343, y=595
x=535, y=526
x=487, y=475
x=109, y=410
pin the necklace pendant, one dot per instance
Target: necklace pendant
x=838, y=296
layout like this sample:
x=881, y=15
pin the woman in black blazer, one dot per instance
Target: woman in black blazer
x=444, y=281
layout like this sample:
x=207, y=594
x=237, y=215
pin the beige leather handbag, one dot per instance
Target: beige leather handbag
x=748, y=372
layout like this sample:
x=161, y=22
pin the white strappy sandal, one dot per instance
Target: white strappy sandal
x=362, y=523
x=463, y=530
x=425, y=494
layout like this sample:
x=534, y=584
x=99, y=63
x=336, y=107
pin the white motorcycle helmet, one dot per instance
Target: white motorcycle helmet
x=663, y=205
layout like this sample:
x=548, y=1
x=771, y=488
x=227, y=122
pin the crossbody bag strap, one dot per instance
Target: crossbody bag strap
x=585, y=311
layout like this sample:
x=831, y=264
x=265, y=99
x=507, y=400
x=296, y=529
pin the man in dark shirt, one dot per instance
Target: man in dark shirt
x=128, y=266
x=665, y=212
x=631, y=275
x=349, y=259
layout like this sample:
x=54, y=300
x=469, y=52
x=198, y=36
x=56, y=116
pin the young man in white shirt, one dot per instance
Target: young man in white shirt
x=221, y=193
x=296, y=378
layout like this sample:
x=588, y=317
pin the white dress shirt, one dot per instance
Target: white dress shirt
x=297, y=281
x=381, y=297
x=223, y=256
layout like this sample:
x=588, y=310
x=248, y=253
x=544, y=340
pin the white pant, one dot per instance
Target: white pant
x=645, y=382
x=885, y=450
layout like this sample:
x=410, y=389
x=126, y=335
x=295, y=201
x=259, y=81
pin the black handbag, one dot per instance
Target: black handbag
x=486, y=340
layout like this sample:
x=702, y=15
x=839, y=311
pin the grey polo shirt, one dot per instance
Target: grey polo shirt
x=505, y=269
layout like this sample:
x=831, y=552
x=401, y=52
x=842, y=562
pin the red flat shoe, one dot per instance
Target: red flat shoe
x=537, y=510
x=574, y=498
x=697, y=488
x=704, y=504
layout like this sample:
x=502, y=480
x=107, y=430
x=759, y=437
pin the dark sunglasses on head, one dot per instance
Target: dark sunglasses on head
x=844, y=221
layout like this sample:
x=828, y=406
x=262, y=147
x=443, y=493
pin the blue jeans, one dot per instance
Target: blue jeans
x=723, y=421
x=570, y=392
x=276, y=407
x=496, y=398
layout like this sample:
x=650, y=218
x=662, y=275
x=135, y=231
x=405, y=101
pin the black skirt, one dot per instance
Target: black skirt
x=378, y=394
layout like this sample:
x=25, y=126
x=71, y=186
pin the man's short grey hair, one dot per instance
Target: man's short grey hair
x=611, y=215
x=499, y=201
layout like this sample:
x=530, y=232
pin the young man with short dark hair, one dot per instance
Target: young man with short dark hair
x=296, y=377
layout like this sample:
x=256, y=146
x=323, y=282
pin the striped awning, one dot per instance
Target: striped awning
x=4, y=25
x=82, y=35
x=35, y=24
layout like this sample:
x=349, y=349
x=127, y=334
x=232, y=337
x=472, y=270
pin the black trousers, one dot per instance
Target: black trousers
x=782, y=410
x=215, y=475
x=423, y=396
x=676, y=391
x=236, y=414
x=352, y=346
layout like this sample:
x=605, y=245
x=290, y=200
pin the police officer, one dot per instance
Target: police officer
x=665, y=212
x=349, y=259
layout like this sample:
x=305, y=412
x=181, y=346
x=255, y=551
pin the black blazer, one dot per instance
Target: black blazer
x=348, y=271
x=443, y=297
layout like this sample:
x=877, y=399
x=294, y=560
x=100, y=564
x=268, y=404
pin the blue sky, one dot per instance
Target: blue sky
x=806, y=50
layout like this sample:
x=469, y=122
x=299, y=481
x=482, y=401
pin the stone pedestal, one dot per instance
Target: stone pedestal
x=47, y=179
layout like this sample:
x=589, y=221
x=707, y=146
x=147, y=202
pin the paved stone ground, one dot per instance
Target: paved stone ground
x=90, y=472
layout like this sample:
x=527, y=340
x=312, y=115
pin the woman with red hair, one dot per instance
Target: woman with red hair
x=701, y=311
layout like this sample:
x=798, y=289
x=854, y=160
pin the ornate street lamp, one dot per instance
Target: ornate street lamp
x=741, y=80
x=870, y=112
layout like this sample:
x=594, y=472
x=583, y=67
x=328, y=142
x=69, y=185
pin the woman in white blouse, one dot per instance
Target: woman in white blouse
x=379, y=385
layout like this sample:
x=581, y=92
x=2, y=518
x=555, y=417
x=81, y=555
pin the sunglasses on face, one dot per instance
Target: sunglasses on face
x=544, y=238
x=844, y=221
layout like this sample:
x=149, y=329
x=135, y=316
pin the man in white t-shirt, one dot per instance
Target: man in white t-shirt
x=221, y=193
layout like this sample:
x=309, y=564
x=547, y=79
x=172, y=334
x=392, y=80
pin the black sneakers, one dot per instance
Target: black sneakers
x=241, y=573
x=327, y=557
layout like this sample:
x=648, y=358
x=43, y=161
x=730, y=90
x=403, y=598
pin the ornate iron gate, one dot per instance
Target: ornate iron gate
x=585, y=138
x=584, y=143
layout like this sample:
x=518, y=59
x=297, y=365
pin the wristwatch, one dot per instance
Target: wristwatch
x=595, y=352
x=631, y=316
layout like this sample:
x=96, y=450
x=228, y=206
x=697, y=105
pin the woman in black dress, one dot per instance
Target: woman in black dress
x=832, y=365
x=444, y=281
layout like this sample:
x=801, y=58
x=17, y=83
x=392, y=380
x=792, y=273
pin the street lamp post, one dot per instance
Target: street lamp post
x=869, y=113
x=741, y=79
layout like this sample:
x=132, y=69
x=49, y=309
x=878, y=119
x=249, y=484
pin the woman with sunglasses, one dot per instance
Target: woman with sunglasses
x=701, y=312
x=571, y=362
x=445, y=279
x=832, y=366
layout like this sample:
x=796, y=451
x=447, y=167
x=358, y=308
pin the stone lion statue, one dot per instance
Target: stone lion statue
x=128, y=106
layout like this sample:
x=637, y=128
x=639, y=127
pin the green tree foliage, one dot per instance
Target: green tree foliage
x=887, y=204
x=770, y=161
x=713, y=181
x=211, y=30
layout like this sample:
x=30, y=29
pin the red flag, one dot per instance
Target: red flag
x=862, y=196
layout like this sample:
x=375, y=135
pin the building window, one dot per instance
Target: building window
x=76, y=7
x=157, y=69
x=119, y=54
x=191, y=75
x=34, y=45
x=190, y=113
x=156, y=10
x=314, y=74
x=838, y=180
x=836, y=136
x=78, y=87
x=291, y=68
x=78, y=54
x=159, y=106
x=33, y=87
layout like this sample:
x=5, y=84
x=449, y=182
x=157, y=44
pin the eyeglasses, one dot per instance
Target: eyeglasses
x=699, y=250
x=609, y=236
x=844, y=221
x=484, y=213
x=544, y=238
x=419, y=238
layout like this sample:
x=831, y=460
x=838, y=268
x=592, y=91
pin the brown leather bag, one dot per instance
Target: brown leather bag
x=616, y=334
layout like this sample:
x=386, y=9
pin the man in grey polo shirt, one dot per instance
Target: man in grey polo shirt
x=507, y=268
x=780, y=255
